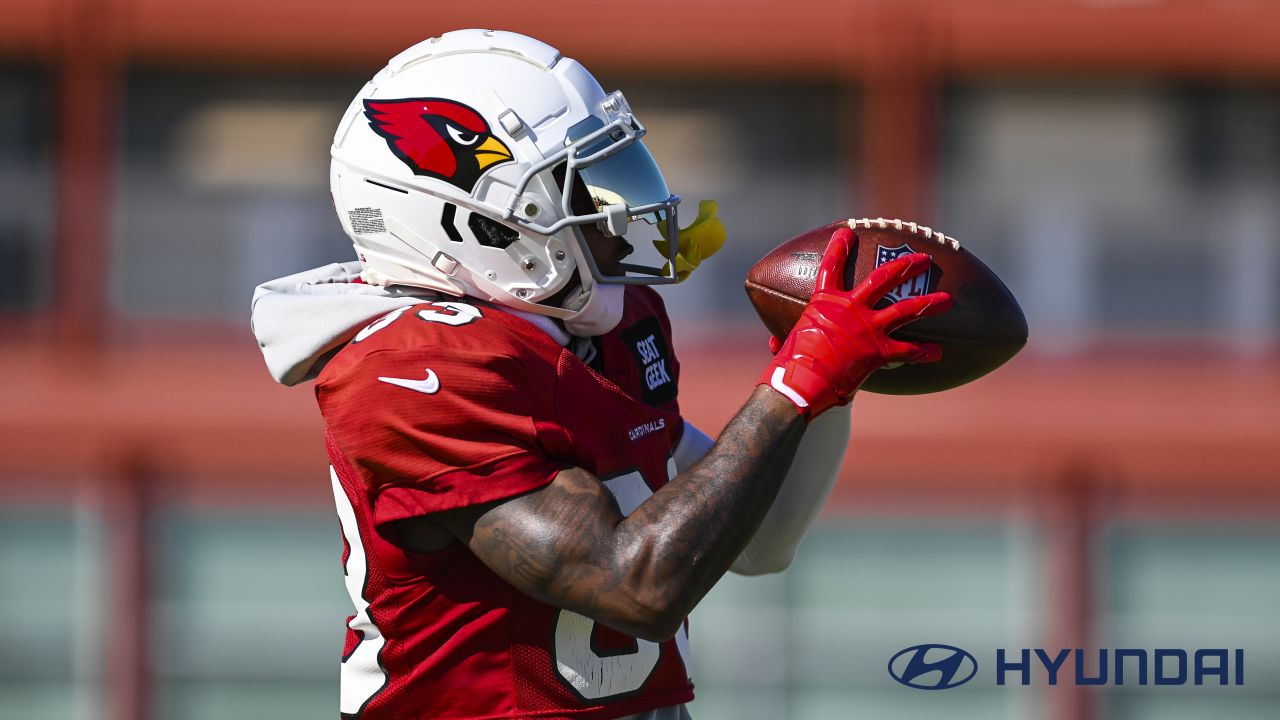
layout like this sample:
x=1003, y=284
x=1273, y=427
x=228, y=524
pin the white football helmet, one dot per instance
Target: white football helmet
x=469, y=164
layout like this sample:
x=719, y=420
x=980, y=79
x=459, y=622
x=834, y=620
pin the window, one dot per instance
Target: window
x=26, y=190
x=224, y=184
x=1132, y=210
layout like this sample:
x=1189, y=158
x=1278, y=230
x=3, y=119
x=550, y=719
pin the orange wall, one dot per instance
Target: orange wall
x=72, y=408
x=707, y=37
x=214, y=419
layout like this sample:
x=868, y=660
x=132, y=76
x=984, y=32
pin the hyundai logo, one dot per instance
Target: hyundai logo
x=933, y=667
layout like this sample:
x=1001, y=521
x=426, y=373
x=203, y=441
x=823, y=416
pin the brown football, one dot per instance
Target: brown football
x=979, y=334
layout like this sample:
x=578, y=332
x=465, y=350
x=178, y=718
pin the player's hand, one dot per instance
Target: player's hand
x=840, y=339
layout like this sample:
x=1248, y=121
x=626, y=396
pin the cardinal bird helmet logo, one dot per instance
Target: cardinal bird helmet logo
x=438, y=138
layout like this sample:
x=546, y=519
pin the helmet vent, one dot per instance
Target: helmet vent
x=446, y=221
x=388, y=187
x=490, y=233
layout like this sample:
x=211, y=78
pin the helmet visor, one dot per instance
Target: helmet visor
x=616, y=174
x=627, y=175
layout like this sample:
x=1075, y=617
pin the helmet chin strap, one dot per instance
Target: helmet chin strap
x=600, y=313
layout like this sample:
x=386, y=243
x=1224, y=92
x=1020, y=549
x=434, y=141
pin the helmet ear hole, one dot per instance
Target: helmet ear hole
x=490, y=233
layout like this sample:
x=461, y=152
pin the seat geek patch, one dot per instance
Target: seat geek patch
x=649, y=348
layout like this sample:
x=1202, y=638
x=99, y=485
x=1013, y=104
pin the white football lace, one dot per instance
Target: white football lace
x=913, y=228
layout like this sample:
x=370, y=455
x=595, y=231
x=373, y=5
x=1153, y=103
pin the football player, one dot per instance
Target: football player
x=527, y=518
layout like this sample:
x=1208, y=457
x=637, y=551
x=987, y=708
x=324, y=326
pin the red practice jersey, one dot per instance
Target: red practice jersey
x=453, y=403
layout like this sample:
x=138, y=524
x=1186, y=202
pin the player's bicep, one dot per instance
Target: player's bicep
x=556, y=544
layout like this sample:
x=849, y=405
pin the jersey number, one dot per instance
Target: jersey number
x=594, y=676
x=362, y=676
x=448, y=313
x=591, y=675
x=451, y=313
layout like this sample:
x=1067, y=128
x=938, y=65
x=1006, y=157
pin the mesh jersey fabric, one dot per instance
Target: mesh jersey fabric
x=448, y=404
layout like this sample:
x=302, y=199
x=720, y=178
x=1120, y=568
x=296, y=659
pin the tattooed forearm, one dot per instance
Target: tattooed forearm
x=699, y=523
x=569, y=546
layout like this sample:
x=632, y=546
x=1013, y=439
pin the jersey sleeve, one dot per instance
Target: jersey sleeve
x=433, y=430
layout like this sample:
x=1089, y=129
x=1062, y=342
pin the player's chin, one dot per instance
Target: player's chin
x=613, y=267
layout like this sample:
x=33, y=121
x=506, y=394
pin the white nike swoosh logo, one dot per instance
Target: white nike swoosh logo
x=429, y=386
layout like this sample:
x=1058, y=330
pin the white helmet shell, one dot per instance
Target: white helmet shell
x=452, y=170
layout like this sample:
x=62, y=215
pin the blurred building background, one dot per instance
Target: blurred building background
x=168, y=546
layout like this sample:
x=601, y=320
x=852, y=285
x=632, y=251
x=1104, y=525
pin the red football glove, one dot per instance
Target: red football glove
x=840, y=340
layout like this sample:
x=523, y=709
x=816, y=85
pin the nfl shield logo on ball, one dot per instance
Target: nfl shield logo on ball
x=915, y=287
